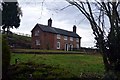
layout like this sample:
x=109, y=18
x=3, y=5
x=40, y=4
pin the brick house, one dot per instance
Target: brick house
x=48, y=37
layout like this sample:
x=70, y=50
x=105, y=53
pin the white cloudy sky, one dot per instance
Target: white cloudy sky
x=34, y=12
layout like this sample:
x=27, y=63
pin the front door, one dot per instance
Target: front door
x=71, y=47
x=66, y=47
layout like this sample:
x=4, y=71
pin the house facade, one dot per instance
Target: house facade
x=51, y=38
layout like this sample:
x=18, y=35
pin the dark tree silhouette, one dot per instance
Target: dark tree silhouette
x=107, y=36
x=11, y=13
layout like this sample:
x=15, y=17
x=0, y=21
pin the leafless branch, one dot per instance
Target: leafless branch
x=42, y=8
x=65, y=7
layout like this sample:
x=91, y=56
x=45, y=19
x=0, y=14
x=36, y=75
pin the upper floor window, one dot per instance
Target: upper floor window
x=58, y=36
x=58, y=45
x=77, y=39
x=37, y=33
x=71, y=38
x=37, y=42
x=65, y=37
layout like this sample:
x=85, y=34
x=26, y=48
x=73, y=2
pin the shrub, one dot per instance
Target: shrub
x=37, y=75
x=5, y=56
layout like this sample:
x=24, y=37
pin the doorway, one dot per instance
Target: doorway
x=71, y=47
x=66, y=47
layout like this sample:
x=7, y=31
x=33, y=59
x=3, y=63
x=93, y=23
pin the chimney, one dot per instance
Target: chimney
x=74, y=28
x=50, y=22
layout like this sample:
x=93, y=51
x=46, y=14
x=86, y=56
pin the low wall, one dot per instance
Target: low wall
x=48, y=52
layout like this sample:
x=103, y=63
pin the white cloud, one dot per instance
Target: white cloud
x=63, y=19
x=87, y=37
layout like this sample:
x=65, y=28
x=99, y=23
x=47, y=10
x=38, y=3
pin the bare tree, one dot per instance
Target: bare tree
x=106, y=36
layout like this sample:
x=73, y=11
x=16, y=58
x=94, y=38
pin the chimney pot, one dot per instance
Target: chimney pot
x=50, y=22
x=74, y=28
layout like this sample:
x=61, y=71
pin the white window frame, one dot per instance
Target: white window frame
x=37, y=33
x=71, y=38
x=77, y=39
x=58, y=45
x=65, y=37
x=77, y=46
x=37, y=42
x=58, y=36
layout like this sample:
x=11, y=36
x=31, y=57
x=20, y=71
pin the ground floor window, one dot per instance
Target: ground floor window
x=37, y=42
x=77, y=45
x=58, y=45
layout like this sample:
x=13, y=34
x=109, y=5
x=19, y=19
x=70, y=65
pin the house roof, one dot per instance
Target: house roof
x=54, y=30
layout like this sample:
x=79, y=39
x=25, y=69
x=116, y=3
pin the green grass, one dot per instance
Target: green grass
x=77, y=64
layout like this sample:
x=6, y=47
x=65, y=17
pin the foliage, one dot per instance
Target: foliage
x=76, y=64
x=19, y=41
x=34, y=71
x=108, y=41
x=10, y=15
x=5, y=56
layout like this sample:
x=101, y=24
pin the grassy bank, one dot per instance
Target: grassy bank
x=78, y=64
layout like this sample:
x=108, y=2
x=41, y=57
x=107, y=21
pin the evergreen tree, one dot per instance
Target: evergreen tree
x=11, y=13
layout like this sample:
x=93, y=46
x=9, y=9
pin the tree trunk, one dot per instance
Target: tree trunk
x=106, y=64
x=8, y=29
x=3, y=31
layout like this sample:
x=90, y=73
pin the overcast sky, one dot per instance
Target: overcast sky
x=34, y=11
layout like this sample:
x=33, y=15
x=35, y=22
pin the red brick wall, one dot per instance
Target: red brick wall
x=49, y=40
x=39, y=37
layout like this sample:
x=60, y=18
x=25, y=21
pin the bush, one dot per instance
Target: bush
x=5, y=57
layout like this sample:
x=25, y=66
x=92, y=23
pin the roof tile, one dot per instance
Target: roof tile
x=58, y=31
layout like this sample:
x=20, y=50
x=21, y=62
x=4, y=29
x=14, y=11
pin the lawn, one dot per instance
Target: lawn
x=77, y=64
